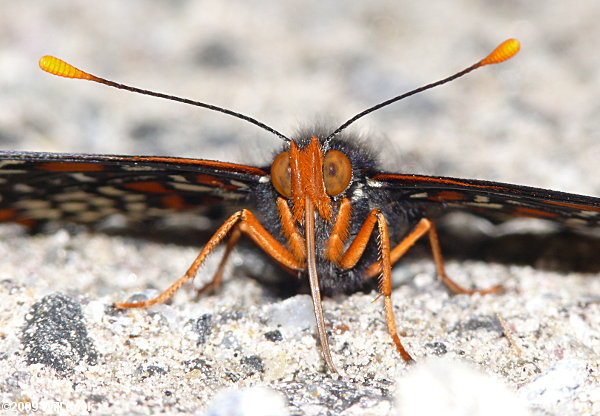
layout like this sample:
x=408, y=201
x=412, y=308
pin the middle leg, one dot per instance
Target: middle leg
x=356, y=250
x=426, y=226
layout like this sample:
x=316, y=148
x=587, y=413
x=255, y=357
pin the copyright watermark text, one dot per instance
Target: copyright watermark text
x=50, y=406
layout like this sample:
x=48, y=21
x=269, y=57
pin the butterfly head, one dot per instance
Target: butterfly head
x=310, y=172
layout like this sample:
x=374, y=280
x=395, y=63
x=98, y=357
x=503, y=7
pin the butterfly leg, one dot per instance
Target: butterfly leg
x=355, y=252
x=426, y=226
x=216, y=280
x=295, y=240
x=246, y=223
x=436, y=251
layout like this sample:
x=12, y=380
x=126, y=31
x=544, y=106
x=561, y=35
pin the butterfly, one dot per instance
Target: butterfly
x=323, y=210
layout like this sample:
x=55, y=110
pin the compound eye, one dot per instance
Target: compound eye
x=281, y=176
x=337, y=172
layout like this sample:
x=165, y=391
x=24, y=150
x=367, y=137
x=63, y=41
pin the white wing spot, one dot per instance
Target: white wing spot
x=575, y=221
x=238, y=183
x=134, y=197
x=23, y=188
x=374, y=184
x=136, y=206
x=111, y=190
x=89, y=216
x=178, y=178
x=73, y=196
x=100, y=201
x=231, y=195
x=489, y=205
x=191, y=187
x=588, y=214
x=12, y=171
x=44, y=214
x=74, y=206
x=82, y=177
x=32, y=204
x=105, y=211
x=138, y=168
x=10, y=162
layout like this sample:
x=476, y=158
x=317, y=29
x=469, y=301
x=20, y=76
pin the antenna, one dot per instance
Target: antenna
x=60, y=68
x=503, y=52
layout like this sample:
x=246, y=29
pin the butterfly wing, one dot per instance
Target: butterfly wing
x=493, y=200
x=39, y=187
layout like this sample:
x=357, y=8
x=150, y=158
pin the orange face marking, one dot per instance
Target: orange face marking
x=306, y=166
x=70, y=167
x=150, y=187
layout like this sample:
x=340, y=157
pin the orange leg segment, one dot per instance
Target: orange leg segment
x=339, y=234
x=388, y=256
x=215, y=282
x=296, y=242
x=246, y=223
x=355, y=252
x=426, y=226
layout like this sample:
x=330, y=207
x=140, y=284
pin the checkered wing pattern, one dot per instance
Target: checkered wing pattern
x=493, y=200
x=40, y=187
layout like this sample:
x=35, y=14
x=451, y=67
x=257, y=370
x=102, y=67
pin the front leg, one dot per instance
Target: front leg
x=245, y=222
x=354, y=253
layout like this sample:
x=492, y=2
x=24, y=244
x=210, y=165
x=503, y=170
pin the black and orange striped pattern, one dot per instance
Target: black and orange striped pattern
x=40, y=187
